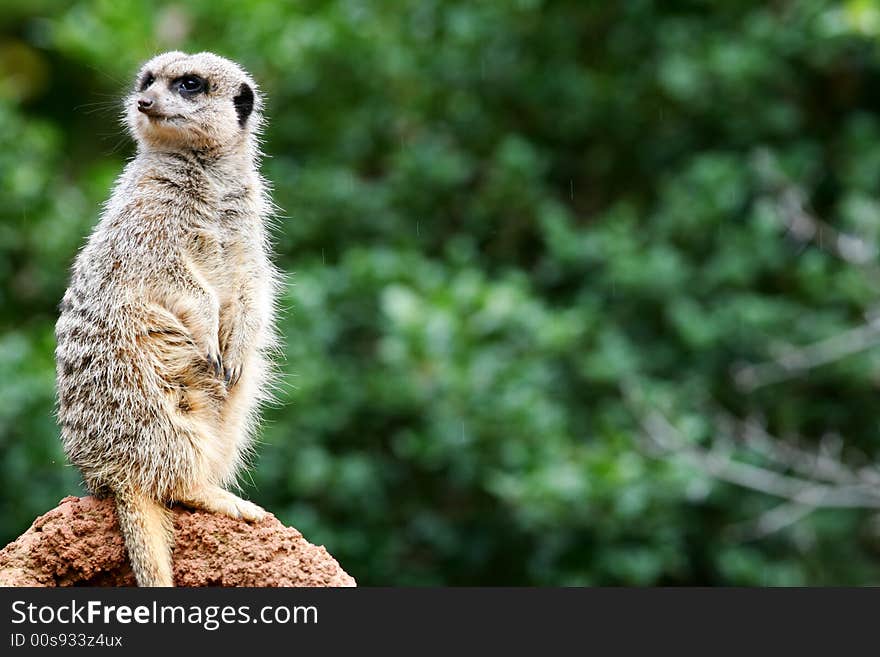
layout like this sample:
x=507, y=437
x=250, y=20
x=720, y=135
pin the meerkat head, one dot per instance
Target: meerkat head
x=199, y=102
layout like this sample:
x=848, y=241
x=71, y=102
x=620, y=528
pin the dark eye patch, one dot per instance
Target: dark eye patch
x=189, y=85
x=147, y=80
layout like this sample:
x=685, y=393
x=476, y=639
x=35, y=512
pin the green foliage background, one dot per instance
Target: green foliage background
x=496, y=215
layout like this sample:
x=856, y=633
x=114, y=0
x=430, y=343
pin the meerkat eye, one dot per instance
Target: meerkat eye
x=147, y=80
x=189, y=85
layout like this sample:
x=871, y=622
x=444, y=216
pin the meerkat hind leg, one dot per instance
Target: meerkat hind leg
x=220, y=500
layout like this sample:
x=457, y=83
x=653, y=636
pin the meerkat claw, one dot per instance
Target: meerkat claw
x=216, y=363
x=231, y=375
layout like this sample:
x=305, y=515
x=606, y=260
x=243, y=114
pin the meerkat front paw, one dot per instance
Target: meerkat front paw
x=215, y=362
x=231, y=372
x=233, y=351
x=211, y=354
x=231, y=375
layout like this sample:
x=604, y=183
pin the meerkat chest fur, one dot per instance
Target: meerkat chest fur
x=222, y=239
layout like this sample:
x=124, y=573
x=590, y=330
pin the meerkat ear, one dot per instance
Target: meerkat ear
x=244, y=103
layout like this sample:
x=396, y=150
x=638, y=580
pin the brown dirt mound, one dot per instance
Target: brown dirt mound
x=78, y=544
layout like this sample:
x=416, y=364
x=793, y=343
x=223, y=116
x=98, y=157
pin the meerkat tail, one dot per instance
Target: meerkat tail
x=149, y=535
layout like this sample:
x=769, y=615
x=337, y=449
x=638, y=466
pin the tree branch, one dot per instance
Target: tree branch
x=796, y=360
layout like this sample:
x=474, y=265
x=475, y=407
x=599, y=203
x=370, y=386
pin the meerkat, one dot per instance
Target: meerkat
x=166, y=333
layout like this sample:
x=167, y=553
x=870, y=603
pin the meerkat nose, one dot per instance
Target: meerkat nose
x=145, y=104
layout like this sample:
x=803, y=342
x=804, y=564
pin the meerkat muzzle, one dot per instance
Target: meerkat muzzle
x=147, y=106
